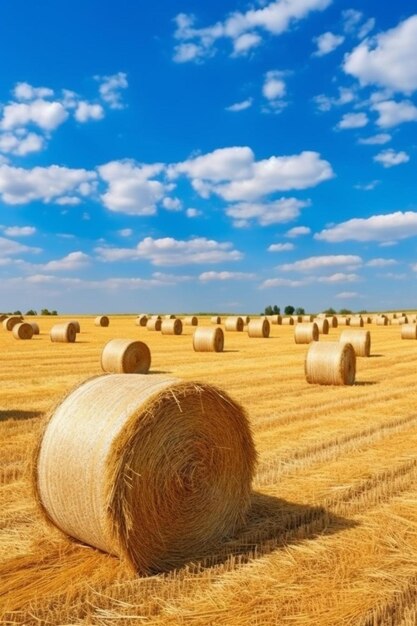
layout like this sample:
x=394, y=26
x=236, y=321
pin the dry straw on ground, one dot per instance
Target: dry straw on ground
x=409, y=331
x=305, y=333
x=331, y=363
x=76, y=324
x=190, y=320
x=208, y=339
x=134, y=466
x=259, y=328
x=171, y=327
x=356, y=322
x=154, y=323
x=234, y=323
x=141, y=320
x=322, y=325
x=23, y=331
x=125, y=356
x=63, y=333
x=216, y=319
x=10, y=322
x=359, y=339
x=102, y=320
x=35, y=327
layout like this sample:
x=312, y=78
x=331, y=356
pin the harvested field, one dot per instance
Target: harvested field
x=331, y=537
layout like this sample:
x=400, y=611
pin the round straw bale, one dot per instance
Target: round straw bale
x=307, y=318
x=412, y=319
x=22, y=331
x=356, y=322
x=323, y=325
x=403, y=319
x=102, y=320
x=170, y=317
x=35, y=327
x=171, y=327
x=381, y=320
x=2, y=318
x=297, y=319
x=190, y=320
x=234, y=323
x=154, y=324
x=359, y=339
x=141, y=320
x=10, y=322
x=409, y=331
x=274, y=319
x=156, y=317
x=332, y=319
x=208, y=339
x=124, y=356
x=287, y=321
x=63, y=333
x=76, y=323
x=305, y=333
x=259, y=328
x=342, y=320
x=330, y=363
x=163, y=471
x=216, y=319
x=320, y=315
x=246, y=319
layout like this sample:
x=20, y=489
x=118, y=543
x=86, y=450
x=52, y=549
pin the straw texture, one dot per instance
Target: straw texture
x=10, y=322
x=234, y=323
x=63, y=333
x=322, y=325
x=141, y=320
x=171, y=327
x=124, y=356
x=359, y=339
x=35, y=327
x=22, y=331
x=330, y=363
x=190, y=320
x=216, y=319
x=356, y=322
x=287, y=321
x=102, y=320
x=259, y=328
x=409, y=331
x=154, y=324
x=148, y=468
x=76, y=324
x=208, y=339
x=305, y=333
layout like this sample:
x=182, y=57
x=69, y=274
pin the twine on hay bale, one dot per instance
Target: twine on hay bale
x=35, y=327
x=208, y=339
x=154, y=324
x=10, y=322
x=381, y=320
x=102, y=320
x=305, y=333
x=359, y=339
x=259, y=328
x=234, y=323
x=287, y=321
x=141, y=320
x=163, y=471
x=22, y=331
x=274, y=319
x=190, y=320
x=126, y=356
x=216, y=319
x=409, y=331
x=76, y=323
x=63, y=333
x=330, y=363
x=323, y=325
x=171, y=327
x=356, y=322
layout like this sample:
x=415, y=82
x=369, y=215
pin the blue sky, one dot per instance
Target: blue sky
x=208, y=156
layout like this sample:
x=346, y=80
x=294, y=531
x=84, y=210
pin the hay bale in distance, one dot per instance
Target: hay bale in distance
x=298, y=319
x=125, y=356
x=63, y=333
x=287, y=321
x=22, y=331
x=216, y=319
x=246, y=319
x=102, y=320
x=208, y=339
x=274, y=319
x=2, y=318
x=153, y=454
x=190, y=320
x=259, y=328
x=323, y=325
x=332, y=319
x=356, y=322
x=171, y=327
x=359, y=339
x=35, y=327
x=305, y=333
x=156, y=317
x=409, y=331
x=76, y=324
x=381, y=320
x=306, y=319
x=154, y=324
x=342, y=320
x=170, y=316
x=142, y=320
x=330, y=363
x=10, y=322
x=234, y=323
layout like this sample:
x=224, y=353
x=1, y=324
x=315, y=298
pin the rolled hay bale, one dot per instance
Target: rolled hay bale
x=409, y=331
x=2, y=318
x=321, y=315
x=234, y=323
x=35, y=327
x=412, y=319
x=246, y=319
x=343, y=321
x=76, y=323
x=63, y=333
x=306, y=318
x=125, y=356
x=216, y=319
x=332, y=319
x=22, y=331
x=171, y=327
x=330, y=363
x=170, y=317
x=360, y=340
x=297, y=319
x=323, y=325
x=356, y=322
x=208, y=339
x=403, y=319
x=367, y=319
x=154, y=324
x=156, y=317
x=190, y=320
x=274, y=319
x=10, y=322
x=287, y=321
x=306, y=333
x=102, y=320
x=381, y=320
x=163, y=472
x=142, y=320
x=259, y=328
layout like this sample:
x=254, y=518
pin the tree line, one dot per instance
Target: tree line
x=290, y=310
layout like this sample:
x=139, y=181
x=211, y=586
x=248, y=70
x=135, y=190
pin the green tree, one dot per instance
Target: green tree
x=269, y=310
x=277, y=310
x=289, y=310
x=54, y=312
x=45, y=312
x=17, y=312
x=300, y=311
x=329, y=311
x=345, y=312
x=31, y=312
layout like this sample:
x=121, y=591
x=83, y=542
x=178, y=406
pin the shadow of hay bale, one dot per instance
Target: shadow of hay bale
x=18, y=415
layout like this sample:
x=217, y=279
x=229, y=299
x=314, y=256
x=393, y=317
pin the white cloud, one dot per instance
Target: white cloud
x=353, y=120
x=86, y=111
x=375, y=140
x=351, y=20
x=8, y=247
x=68, y=201
x=339, y=277
x=240, y=106
x=19, y=231
x=388, y=60
x=73, y=261
x=388, y=228
x=381, y=262
x=172, y=204
x=20, y=143
x=298, y=231
x=392, y=113
x=125, y=232
x=24, y=91
x=326, y=43
x=326, y=103
x=46, y=115
x=319, y=262
x=192, y=212
x=111, y=89
x=274, y=87
x=276, y=212
x=245, y=42
x=390, y=158
x=219, y=165
x=281, y=282
x=368, y=186
x=281, y=247
x=209, y=276
x=347, y=295
x=186, y=52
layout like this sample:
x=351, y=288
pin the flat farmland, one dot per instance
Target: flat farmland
x=331, y=537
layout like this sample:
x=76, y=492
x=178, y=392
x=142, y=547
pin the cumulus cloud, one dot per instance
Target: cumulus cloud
x=276, y=212
x=86, y=111
x=339, y=277
x=20, y=142
x=274, y=88
x=319, y=262
x=172, y=204
x=390, y=158
x=326, y=43
x=381, y=262
x=8, y=247
x=20, y=231
x=393, y=113
x=111, y=89
x=24, y=91
x=73, y=261
x=375, y=140
x=46, y=115
x=240, y=106
x=347, y=295
x=219, y=276
x=298, y=231
x=281, y=247
x=191, y=212
x=326, y=103
x=353, y=120
x=390, y=227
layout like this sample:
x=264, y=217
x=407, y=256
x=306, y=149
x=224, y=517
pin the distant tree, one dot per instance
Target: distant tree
x=17, y=312
x=269, y=310
x=45, y=312
x=345, y=312
x=289, y=310
x=31, y=312
x=54, y=312
x=277, y=310
x=362, y=312
x=329, y=311
x=300, y=311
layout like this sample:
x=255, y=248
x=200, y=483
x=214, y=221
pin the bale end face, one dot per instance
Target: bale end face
x=208, y=340
x=306, y=332
x=259, y=328
x=172, y=326
x=23, y=331
x=102, y=320
x=124, y=356
x=359, y=339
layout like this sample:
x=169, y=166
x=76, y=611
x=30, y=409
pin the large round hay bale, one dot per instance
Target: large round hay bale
x=359, y=339
x=332, y=319
x=141, y=320
x=409, y=331
x=216, y=319
x=356, y=322
x=35, y=327
x=306, y=318
x=381, y=320
x=10, y=322
x=234, y=323
x=102, y=320
x=63, y=333
x=163, y=471
x=274, y=319
x=171, y=327
x=125, y=356
x=259, y=328
x=76, y=324
x=190, y=320
x=322, y=325
x=305, y=333
x=342, y=320
x=330, y=363
x=154, y=324
x=170, y=316
x=22, y=331
x=208, y=339
x=287, y=321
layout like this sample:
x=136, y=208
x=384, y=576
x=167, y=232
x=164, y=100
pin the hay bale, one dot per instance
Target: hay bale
x=2, y=318
x=259, y=328
x=305, y=333
x=274, y=319
x=356, y=321
x=306, y=318
x=171, y=327
x=287, y=321
x=246, y=319
x=330, y=363
x=359, y=339
x=35, y=327
x=190, y=320
x=170, y=317
x=156, y=317
x=163, y=471
x=208, y=339
x=323, y=325
x=381, y=320
x=142, y=320
x=332, y=319
x=125, y=356
x=321, y=315
x=63, y=333
x=76, y=324
x=234, y=323
x=297, y=319
x=102, y=320
x=10, y=322
x=22, y=331
x=409, y=331
x=342, y=320
x=154, y=324
x=216, y=319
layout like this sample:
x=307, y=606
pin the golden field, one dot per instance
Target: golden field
x=331, y=538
